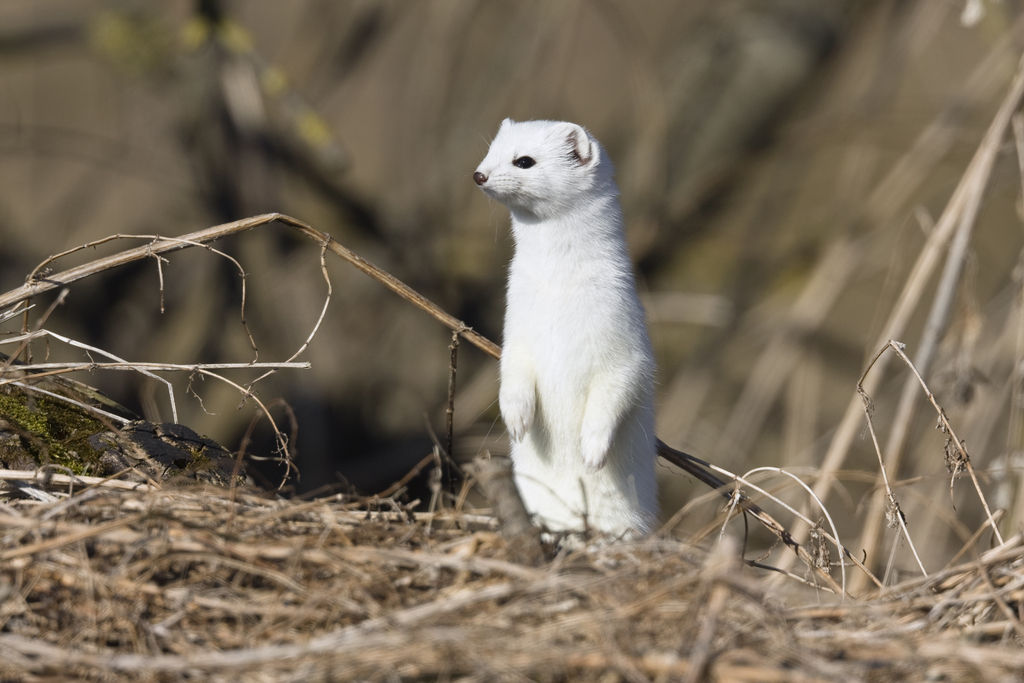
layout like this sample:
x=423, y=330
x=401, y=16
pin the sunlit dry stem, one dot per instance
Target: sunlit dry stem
x=14, y=312
x=160, y=276
x=25, y=338
x=58, y=301
x=36, y=285
x=705, y=472
x=157, y=245
x=449, y=411
x=316, y=326
x=59, y=368
x=77, y=479
x=897, y=348
x=840, y=548
x=891, y=497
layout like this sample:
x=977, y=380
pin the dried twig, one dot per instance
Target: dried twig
x=23, y=346
x=50, y=478
x=316, y=326
x=963, y=461
x=40, y=272
x=703, y=471
x=449, y=411
x=162, y=245
x=894, y=514
x=48, y=369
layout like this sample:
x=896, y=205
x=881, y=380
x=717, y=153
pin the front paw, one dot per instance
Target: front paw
x=594, y=445
x=517, y=409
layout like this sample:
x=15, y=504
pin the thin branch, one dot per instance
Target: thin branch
x=965, y=459
x=25, y=338
x=894, y=511
x=40, y=272
x=19, y=308
x=449, y=411
x=75, y=480
x=703, y=471
x=58, y=301
x=835, y=532
x=71, y=366
x=319, y=320
x=36, y=286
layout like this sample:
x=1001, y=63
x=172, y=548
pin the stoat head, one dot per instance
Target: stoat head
x=543, y=169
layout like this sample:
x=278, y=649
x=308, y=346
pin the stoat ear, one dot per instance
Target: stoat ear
x=581, y=147
x=505, y=124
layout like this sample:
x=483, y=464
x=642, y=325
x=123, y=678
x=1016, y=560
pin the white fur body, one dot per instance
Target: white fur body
x=577, y=370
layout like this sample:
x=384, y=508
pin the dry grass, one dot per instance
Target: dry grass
x=194, y=583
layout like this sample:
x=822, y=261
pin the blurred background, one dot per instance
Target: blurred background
x=782, y=166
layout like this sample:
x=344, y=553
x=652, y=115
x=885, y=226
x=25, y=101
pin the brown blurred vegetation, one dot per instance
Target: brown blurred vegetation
x=781, y=164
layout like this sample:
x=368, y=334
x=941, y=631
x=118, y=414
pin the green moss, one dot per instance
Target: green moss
x=199, y=460
x=62, y=428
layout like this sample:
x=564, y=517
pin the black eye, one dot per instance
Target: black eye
x=523, y=162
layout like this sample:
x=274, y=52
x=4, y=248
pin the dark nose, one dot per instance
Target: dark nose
x=479, y=178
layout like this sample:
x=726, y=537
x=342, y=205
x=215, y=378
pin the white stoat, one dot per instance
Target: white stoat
x=577, y=371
